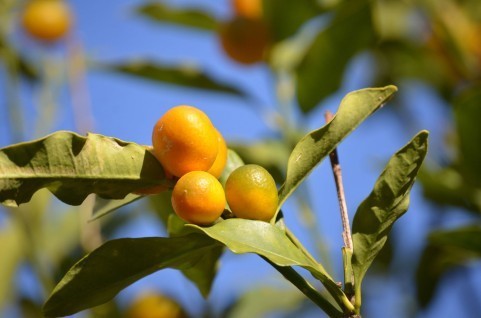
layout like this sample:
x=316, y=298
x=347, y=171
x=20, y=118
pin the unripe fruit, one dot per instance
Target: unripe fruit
x=251, y=193
x=46, y=20
x=198, y=197
x=221, y=159
x=185, y=140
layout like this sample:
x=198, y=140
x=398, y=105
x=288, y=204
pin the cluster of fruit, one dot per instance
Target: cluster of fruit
x=190, y=148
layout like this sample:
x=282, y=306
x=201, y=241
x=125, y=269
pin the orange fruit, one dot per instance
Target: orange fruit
x=244, y=39
x=198, y=197
x=155, y=306
x=184, y=140
x=247, y=8
x=251, y=193
x=221, y=159
x=46, y=20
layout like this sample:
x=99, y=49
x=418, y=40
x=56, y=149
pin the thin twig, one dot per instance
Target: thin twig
x=336, y=169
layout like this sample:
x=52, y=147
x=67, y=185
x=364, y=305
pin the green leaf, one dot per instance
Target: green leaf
x=285, y=17
x=267, y=240
x=13, y=251
x=446, y=250
x=100, y=275
x=103, y=207
x=387, y=202
x=321, y=72
x=191, y=18
x=315, y=146
x=183, y=75
x=467, y=111
x=447, y=186
x=73, y=166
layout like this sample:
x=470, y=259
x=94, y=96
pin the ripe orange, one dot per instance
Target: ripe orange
x=244, y=39
x=221, y=159
x=46, y=20
x=251, y=193
x=184, y=140
x=247, y=8
x=155, y=306
x=198, y=197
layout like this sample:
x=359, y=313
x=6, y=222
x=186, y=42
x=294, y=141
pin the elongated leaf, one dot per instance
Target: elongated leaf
x=285, y=17
x=12, y=253
x=446, y=250
x=73, y=166
x=467, y=112
x=387, y=202
x=188, y=17
x=321, y=72
x=315, y=146
x=183, y=75
x=233, y=162
x=100, y=275
x=267, y=240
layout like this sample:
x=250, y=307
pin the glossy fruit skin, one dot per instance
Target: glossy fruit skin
x=198, y=198
x=185, y=140
x=155, y=306
x=245, y=40
x=221, y=159
x=251, y=193
x=247, y=8
x=46, y=20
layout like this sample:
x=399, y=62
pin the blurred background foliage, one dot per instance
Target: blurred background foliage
x=308, y=48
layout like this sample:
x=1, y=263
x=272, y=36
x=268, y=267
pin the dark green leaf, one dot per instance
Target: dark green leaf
x=103, y=207
x=467, y=112
x=191, y=18
x=267, y=240
x=320, y=73
x=448, y=187
x=387, y=202
x=446, y=250
x=285, y=17
x=100, y=275
x=183, y=75
x=315, y=146
x=73, y=166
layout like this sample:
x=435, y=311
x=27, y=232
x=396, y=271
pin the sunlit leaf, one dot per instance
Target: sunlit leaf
x=315, y=146
x=321, y=72
x=100, y=275
x=446, y=250
x=160, y=12
x=73, y=166
x=267, y=240
x=387, y=202
x=188, y=75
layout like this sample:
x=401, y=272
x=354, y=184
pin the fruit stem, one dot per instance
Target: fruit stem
x=307, y=289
